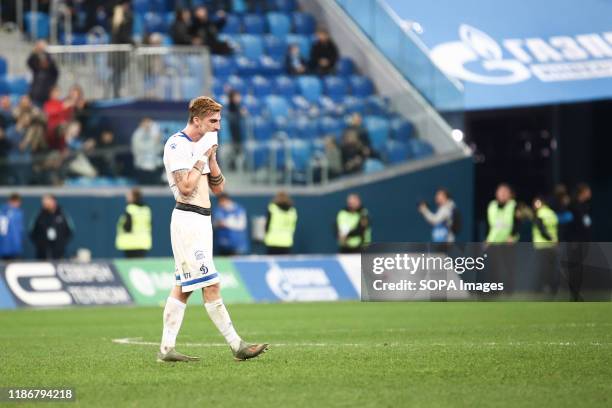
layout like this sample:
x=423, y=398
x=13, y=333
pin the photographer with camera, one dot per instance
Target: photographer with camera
x=445, y=221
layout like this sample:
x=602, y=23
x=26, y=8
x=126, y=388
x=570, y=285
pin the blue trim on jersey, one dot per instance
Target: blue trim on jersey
x=182, y=134
x=198, y=280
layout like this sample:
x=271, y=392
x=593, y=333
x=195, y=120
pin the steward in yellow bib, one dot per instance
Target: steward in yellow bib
x=545, y=238
x=280, y=225
x=501, y=217
x=353, y=226
x=134, y=227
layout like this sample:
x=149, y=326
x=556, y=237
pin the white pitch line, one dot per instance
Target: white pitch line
x=136, y=341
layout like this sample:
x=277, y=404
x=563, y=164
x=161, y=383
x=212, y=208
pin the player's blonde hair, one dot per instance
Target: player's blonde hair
x=203, y=106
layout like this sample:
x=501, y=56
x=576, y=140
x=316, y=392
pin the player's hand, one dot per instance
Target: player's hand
x=211, y=153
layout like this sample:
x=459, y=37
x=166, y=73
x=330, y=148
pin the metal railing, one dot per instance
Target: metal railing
x=121, y=71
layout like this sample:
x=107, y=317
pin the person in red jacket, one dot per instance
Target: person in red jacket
x=58, y=112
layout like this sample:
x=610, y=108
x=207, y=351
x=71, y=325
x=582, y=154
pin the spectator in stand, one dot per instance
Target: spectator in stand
x=104, y=157
x=333, y=156
x=356, y=124
x=78, y=161
x=76, y=100
x=235, y=116
x=181, y=27
x=323, y=54
x=121, y=33
x=6, y=112
x=295, y=64
x=353, y=156
x=206, y=32
x=230, y=223
x=59, y=112
x=146, y=149
x=12, y=229
x=51, y=230
x=5, y=148
x=44, y=73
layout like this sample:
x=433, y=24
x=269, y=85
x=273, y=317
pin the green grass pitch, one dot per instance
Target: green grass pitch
x=322, y=354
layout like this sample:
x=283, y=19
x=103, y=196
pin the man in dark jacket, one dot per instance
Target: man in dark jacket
x=44, y=73
x=579, y=235
x=206, y=32
x=51, y=230
x=323, y=54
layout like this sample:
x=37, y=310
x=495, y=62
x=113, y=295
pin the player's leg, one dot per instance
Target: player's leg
x=219, y=315
x=174, y=311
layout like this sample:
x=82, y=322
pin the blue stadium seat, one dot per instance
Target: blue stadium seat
x=378, y=131
x=345, y=67
x=73, y=39
x=376, y=105
x=310, y=88
x=270, y=66
x=277, y=106
x=279, y=23
x=361, y=86
x=18, y=85
x=420, y=148
x=252, y=105
x=251, y=45
x=191, y=87
x=37, y=20
x=285, y=86
x=373, y=166
x=331, y=126
x=336, y=87
x=276, y=47
x=3, y=66
x=138, y=25
x=304, y=23
x=223, y=66
x=169, y=18
x=261, y=86
x=263, y=128
x=257, y=155
x=254, y=24
x=233, y=40
x=402, y=129
x=306, y=128
x=285, y=6
x=218, y=87
x=140, y=6
x=300, y=155
x=4, y=86
x=301, y=104
x=239, y=6
x=236, y=83
x=247, y=66
x=396, y=152
x=232, y=24
x=302, y=41
x=154, y=22
x=353, y=104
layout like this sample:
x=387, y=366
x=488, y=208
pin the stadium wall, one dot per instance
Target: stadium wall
x=390, y=197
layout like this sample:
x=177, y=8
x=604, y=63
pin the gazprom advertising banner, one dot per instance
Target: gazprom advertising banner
x=150, y=280
x=521, y=52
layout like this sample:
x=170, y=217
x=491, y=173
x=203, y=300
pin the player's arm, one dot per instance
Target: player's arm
x=187, y=180
x=216, y=181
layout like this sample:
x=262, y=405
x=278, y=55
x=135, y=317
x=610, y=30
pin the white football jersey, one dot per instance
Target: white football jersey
x=181, y=153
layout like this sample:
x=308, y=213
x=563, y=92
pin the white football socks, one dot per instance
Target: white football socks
x=173, y=318
x=220, y=317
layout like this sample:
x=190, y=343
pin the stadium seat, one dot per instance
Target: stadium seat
x=232, y=25
x=223, y=66
x=420, y=148
x=73, y=39
x=270, y=66
x=247, y=66
x=218, y=87
x=276, y=47
x=310, y=88
x=279, y=24
x=252, y=105
x=154, y=23
x=239, y=6
x=335, y=87
x=257, y=154
x=378, y=131
x=331, y=126
x=233, y=40
x=301, y=104
x=300, y=155
x=261, y=86
x=361, y=86
x=306, y=128
x=263, y=128
x=277, y=106
x=191, y=87
x=285, y=6
x=3, y=66
x=396, y=152
x=376, y=105
x=4, y=86
x=39, y=22
x=18, y=85
x=251, y=46
x=304, y=23
x=254, y=24
x=169, y=17
x=285, y=86
x=237, y=83
x=302, y=41
x=140, y=6
x=401, y=129
x=345, y=67
x=373, y=166
x=353, y=104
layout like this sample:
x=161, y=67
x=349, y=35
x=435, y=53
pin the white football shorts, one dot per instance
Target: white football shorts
x=192, y=238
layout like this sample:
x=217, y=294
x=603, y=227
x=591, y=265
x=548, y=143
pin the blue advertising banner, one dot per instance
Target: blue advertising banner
x=272, y=279
x=46, y=284
x=516, y=53
x=6, y=300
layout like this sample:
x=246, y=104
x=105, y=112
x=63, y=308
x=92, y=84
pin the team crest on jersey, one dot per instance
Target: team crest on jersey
x=203, y=269
x=199, y=255
x=173, y=146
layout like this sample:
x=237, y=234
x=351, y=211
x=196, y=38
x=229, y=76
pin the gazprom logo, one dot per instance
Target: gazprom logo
x=479, y=58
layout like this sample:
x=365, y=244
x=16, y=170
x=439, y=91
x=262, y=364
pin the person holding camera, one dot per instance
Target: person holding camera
x=443, y=220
